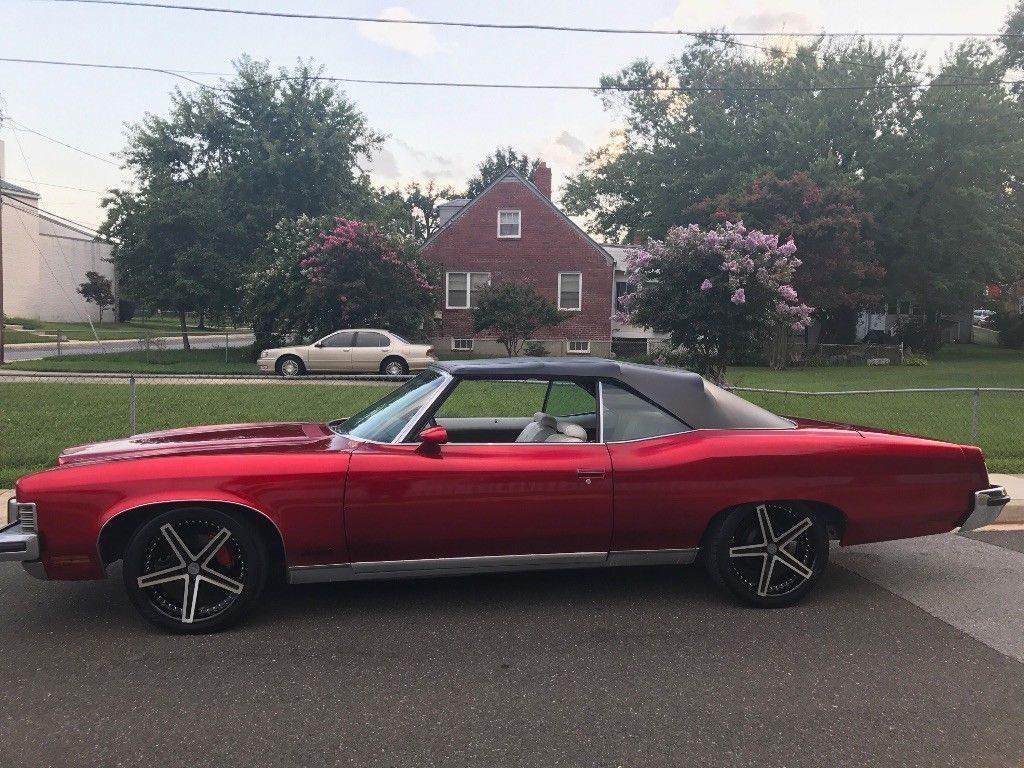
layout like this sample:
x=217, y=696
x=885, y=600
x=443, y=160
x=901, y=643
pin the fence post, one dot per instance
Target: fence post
x=131, y=405
x=60, y=333
x=975, y=413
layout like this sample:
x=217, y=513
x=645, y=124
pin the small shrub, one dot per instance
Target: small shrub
x=1011, y=329
x=913, y=359
x=535, y=349
x=125, y=310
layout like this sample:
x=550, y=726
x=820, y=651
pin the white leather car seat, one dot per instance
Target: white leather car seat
x=539, y=430
x=568, y=433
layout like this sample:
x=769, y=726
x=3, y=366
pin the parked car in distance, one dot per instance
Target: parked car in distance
x=982, y=316
x=486, y=466
x=353, y=350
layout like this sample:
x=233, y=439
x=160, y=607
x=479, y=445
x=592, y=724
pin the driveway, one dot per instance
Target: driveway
x=885, y=664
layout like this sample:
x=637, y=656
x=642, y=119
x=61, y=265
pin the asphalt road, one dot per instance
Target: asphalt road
x=626, y=667
x=14, y=352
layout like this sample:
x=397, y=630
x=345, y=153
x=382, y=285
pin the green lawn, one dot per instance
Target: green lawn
x=23, y=337
x=153, y=361
x=137, y=328
x=38, y=419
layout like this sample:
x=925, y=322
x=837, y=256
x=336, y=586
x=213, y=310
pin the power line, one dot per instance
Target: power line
x=16, y=126
x=682, y=88
x=18, y=205
x=57, y=186
x=495, y=25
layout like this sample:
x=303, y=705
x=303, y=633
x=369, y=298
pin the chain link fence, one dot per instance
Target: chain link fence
x=43, y=413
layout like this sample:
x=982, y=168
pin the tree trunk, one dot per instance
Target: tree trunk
x=184, y=331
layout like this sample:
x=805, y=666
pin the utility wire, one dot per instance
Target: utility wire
x=16, y=126
x=682, y=88
x=495, y=25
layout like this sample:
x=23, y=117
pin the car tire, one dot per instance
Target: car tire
x=393, y=366
x=194, y=570
x=289, y=366
x=768, y=554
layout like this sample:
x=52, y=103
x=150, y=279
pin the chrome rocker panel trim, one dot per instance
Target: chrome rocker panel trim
x=987, y=506
x=457, y=566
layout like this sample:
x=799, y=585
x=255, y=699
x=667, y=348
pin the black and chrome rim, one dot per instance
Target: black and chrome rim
x=772, y=551
x=193, y=570
x=394, y=368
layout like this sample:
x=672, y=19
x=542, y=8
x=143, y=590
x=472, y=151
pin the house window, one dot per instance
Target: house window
x=463, y=288
x=621, y=289
x=462, y=345
x=570, y=288
x=576, y=347
x=509, y=224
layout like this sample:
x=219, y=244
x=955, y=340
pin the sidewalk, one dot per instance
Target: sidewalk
x=1014, y=485
x=75, y=343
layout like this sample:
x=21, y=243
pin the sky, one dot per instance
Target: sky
x=432, y=133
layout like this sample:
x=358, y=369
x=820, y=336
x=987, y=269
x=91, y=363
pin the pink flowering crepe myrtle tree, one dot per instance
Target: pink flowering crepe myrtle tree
x=356, y=276
x=722, y=293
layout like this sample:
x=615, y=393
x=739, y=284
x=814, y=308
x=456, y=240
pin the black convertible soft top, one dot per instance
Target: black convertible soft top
x=684, y=394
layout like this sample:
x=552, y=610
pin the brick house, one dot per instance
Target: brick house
x=513, y=233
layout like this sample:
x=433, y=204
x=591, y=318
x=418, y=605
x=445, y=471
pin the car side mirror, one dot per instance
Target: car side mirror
x=319, y=345
x=434, y=436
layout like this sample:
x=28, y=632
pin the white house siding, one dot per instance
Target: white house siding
x=70, y=253
x=625, y=330
x=21, y=255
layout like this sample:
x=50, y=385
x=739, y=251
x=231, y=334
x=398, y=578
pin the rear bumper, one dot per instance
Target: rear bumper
x=987, y=506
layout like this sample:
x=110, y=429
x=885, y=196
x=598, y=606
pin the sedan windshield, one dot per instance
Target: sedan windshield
x=388, y=417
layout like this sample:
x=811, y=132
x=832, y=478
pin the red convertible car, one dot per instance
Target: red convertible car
x=449, y=474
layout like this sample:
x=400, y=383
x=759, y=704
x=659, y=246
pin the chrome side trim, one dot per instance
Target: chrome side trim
x=453, y=566
x=986, y=508
x=653, y=557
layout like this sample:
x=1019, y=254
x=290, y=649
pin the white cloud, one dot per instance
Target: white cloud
x=745, y=15
x=410, y=38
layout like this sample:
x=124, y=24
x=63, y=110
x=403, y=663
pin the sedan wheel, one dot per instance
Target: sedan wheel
x=194, y=570
x=394, y=367
x=290, y=367
x=768, y=554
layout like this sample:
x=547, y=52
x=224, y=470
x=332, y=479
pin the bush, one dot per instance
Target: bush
x=535, y=349
x=913, y=359
x=125, y=310
x=1011, y=329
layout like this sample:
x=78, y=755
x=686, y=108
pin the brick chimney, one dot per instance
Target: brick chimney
x=542, y=179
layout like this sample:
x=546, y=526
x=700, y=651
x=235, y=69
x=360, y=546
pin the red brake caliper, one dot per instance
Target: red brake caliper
x=225, y=557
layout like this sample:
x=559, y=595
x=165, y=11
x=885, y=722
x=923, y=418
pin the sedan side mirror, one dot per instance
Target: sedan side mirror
x=434, y=436
x=319, y=345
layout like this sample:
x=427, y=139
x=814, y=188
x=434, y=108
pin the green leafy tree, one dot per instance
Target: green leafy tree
x=721, y=293
x=318, y=275
x=514, y=312
x=497, y=163
x=218, y=172
x=841, y=272
x=97, y=290
x=423, y=203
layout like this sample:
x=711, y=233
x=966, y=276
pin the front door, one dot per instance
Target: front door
x=415, y=502
x=332, y=353
x=505, y=487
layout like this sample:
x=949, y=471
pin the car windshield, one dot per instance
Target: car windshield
x=388, y=417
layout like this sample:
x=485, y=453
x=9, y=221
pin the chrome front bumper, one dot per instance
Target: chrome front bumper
x=18, y=544
x=987, y=506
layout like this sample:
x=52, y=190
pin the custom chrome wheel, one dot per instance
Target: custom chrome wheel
x=290, y=366
x=194, y=570
x=768, y=554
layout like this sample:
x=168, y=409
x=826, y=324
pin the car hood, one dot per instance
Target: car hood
x=224, y=438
